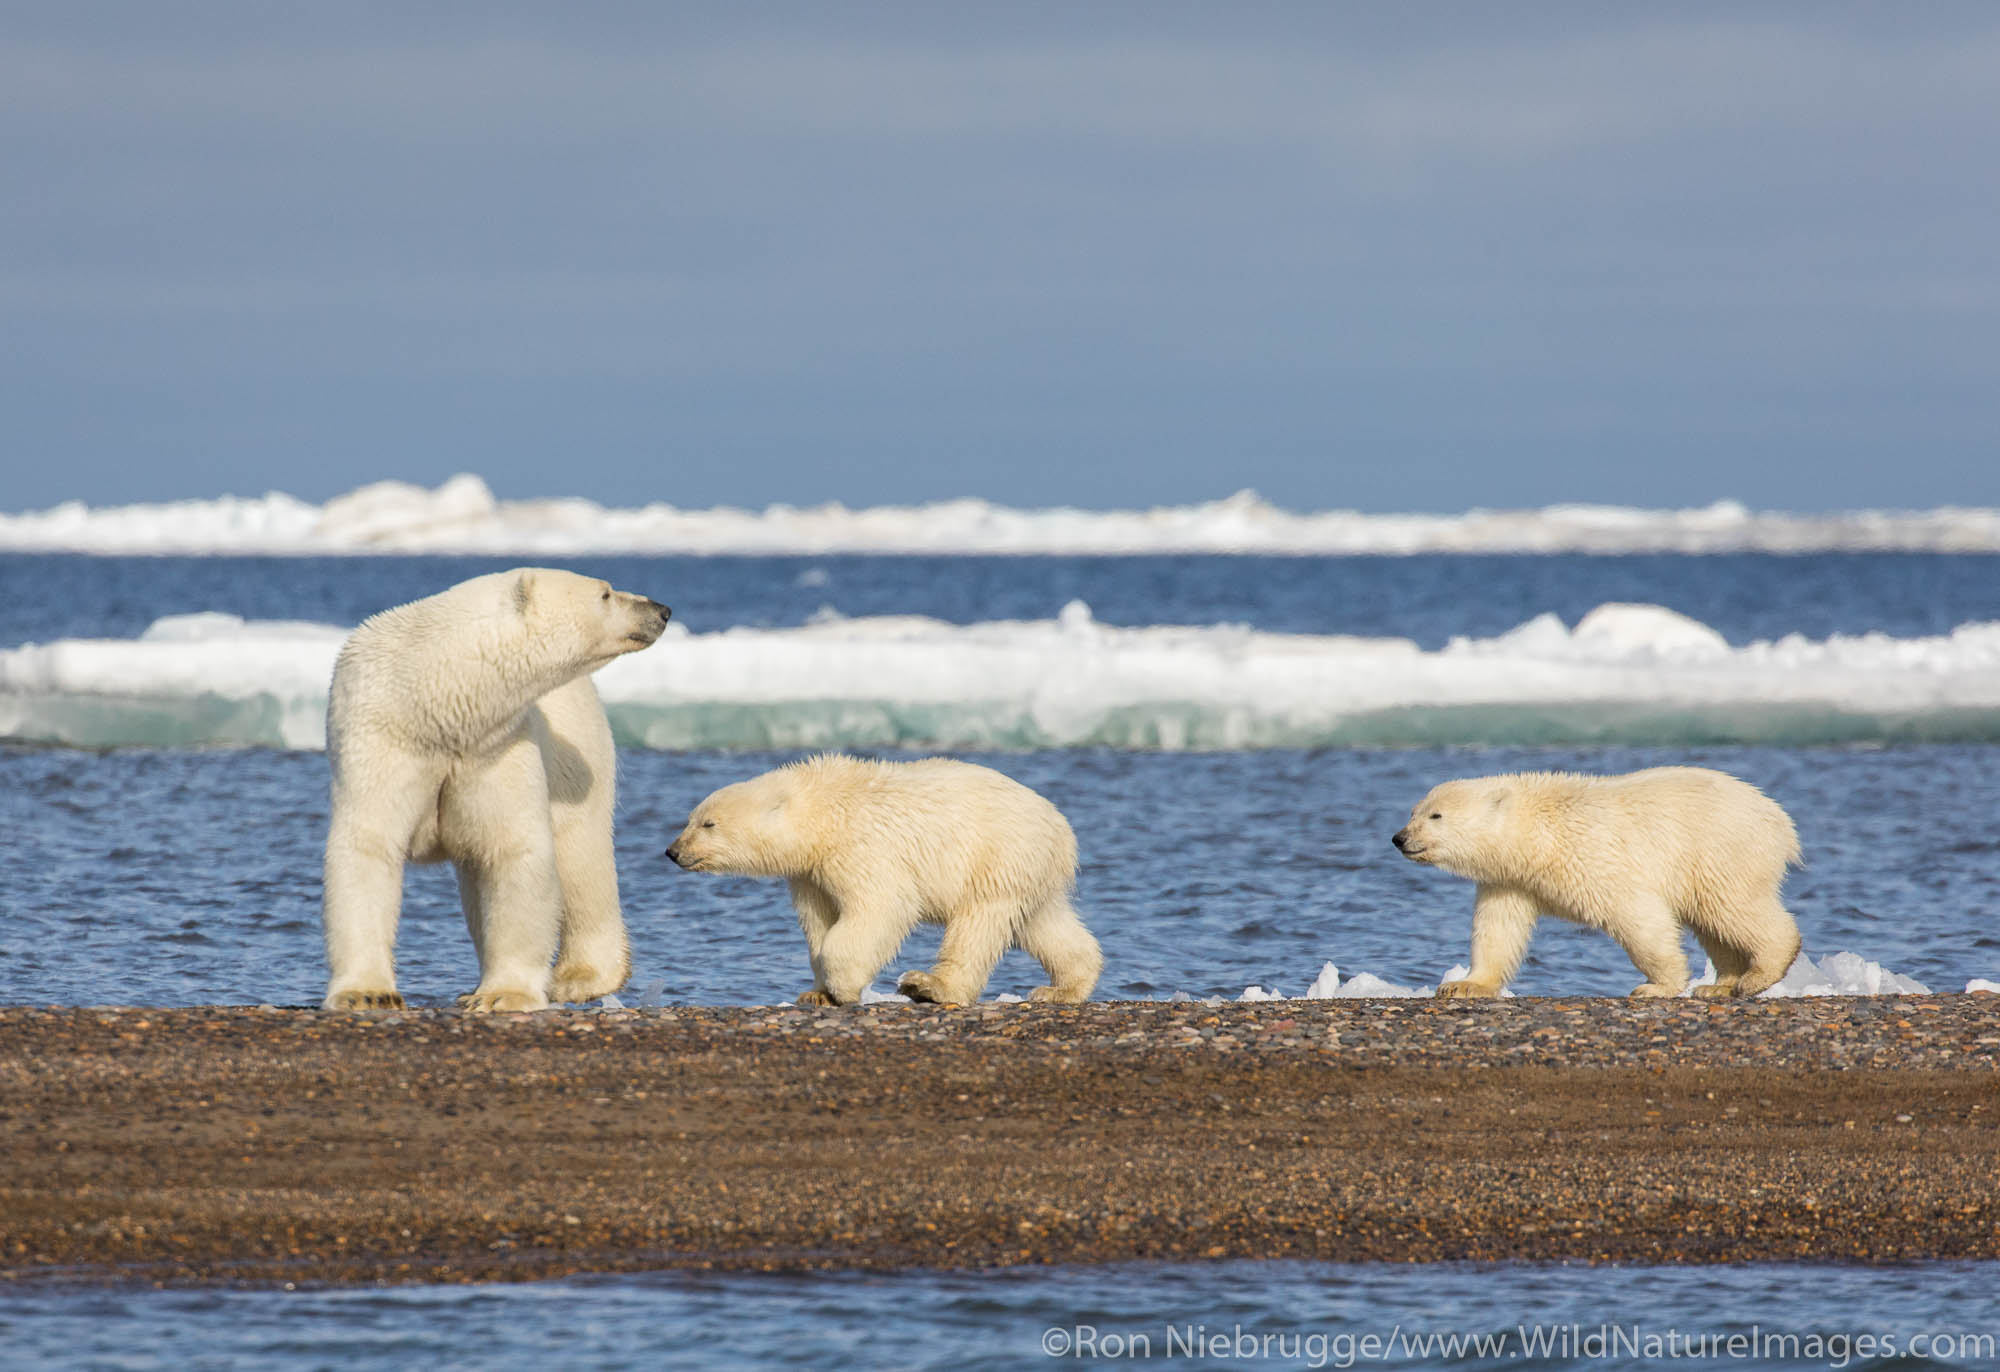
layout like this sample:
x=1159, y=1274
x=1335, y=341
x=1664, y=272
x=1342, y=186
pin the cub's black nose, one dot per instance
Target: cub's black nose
x=675, y=854
x=665, y=613
x=1401, y=840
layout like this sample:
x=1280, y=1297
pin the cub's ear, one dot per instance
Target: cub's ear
x=1501, y=798
x=524, y=591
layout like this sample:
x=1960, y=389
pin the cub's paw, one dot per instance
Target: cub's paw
x=926, y=987
x=364, y=1000
x=574, y=985
x=502, y=1002
x=1057, y=996
x=1652, y=990
x=817, y=997
x=1467, y=989
x=1720, y=991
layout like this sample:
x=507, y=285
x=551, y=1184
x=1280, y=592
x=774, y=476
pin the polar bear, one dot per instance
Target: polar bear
x=872, y=849
x=1639, y=856
x=464, y=727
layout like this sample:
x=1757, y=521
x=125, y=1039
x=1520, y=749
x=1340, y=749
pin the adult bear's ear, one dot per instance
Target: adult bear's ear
x=1500, y=798
x=524, y=591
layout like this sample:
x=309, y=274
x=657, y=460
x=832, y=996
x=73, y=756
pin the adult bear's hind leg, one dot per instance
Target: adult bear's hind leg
x=367, y=845
x=496, y=824
x=595, y=958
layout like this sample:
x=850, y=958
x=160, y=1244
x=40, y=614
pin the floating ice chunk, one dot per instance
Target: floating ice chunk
x=1629, y=631
x=910, y=681
x=463, y=516
x=1326, y=985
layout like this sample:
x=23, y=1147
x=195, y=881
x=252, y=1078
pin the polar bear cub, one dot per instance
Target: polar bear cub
x=464, y=727
x=1639, y=856
x=872, y=849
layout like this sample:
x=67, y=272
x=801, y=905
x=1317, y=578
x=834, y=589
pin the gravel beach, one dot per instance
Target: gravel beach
x=274, y=1145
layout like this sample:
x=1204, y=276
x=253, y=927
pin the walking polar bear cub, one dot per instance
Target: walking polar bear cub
x=872, y=849
x=1639, y=856
x=464, y=727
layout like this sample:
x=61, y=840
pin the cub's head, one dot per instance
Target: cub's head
x=1459, y=826
x=750, y=829
x=595, y=621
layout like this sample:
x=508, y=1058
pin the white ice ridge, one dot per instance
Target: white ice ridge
x=463, y=516
x=1836, y=974
x=1637, y=674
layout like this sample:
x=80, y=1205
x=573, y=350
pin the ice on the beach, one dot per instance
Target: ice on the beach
x=1982, y=984
x=1329, y=986
x=1840, y=974
x=1837, y=974
x=464, y=516
x=1635, y=674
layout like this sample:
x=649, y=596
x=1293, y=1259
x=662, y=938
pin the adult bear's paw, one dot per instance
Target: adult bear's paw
x=364, y=1000
x=501, y=1002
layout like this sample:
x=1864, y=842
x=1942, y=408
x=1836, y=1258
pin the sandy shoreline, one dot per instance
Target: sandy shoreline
x=259, y=1145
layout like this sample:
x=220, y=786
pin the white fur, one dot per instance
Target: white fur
x=872, y=849
x=1639, y=856
x=464, y=727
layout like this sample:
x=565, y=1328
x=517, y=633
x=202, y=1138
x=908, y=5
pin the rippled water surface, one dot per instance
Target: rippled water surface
x=1280, y=1314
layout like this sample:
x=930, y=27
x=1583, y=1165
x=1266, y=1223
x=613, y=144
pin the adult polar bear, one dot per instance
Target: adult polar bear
x=464, y=727
x=1639, y=856
x=872, y=849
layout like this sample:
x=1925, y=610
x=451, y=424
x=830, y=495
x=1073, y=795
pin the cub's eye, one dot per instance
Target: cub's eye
x=606, y=595
x=1436, y=815
x=708, y=824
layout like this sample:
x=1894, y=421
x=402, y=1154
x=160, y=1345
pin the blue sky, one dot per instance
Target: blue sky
x=1391, y=257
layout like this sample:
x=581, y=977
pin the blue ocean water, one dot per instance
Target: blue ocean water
x=1277, y=1314
x=187, y=876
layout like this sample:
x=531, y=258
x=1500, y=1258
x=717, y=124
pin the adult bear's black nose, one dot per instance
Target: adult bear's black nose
x=1401, y=840
x=675, y=854
x=665, y=613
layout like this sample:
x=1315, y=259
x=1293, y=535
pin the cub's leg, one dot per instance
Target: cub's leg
x=859, y=945
x=1774, y=951
x=1730, y=965
x=1503, y=920
x=817, y=914
x=1055, y=937
x=974, y=939
x=1650, y=935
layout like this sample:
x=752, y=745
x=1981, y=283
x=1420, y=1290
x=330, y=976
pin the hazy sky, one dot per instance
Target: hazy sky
x=1388, y=256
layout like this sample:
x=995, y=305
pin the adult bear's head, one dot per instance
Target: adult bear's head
x=582, y=619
